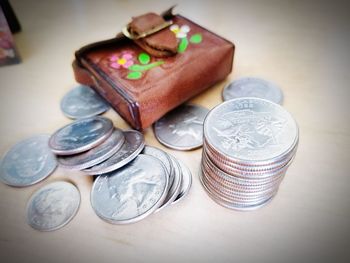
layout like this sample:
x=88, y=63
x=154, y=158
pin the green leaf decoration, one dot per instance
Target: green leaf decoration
x=134, y=75
x=144, y=58
x=183, y=45
x=137, y=67
x=196, y=38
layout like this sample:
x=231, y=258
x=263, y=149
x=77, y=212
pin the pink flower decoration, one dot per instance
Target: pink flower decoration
x=124, y=60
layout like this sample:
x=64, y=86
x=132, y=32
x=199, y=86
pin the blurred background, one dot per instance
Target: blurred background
x=303, y=46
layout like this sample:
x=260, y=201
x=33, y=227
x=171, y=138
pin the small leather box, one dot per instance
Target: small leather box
x=145, y=77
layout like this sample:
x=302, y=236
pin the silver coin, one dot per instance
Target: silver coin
x=251, y=130
x=28, y=162
x=133, y=145
x=249, y=144
x=231, y=205
x=235, y=184
x=182, y=128
x=131, y=193
x=221, y=161
x=236, y=197
x=174, y=189
x=241, y=175
x=53, y=206
x=83, y=102
x=185, y=183
x=80, y=135
x=253, y=87
x=96, y=155
x=244, y=194
x=164, y=158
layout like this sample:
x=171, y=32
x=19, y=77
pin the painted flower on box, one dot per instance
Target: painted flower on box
x=181, y=32
x=137, y=65
x=124, y=60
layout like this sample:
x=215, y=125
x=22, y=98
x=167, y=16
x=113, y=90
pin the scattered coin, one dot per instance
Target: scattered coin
x=28, y=162
x=182, y=128
x=53, y=206
x=83, y=102
x=253, y=87
x=133, y=145
x=131, y=193
x=80, y=135
x=249, y=144
x=174, y=189
x=94, y=156
x=185, y=183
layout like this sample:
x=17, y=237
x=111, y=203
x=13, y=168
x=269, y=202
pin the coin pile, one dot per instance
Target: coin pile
x=129, y=185
x=94, y=146
x=248, y=145
x=151, y=182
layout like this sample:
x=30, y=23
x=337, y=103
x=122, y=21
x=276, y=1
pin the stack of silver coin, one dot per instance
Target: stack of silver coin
x=248, y=145
x=153, y=181
x=133, y=180
x=87, y=142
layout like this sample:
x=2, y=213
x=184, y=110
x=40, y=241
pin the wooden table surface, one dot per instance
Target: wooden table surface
x=303, y=46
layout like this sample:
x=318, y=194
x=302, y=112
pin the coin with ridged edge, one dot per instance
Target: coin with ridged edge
x=236, y=175
x=175, y=187
x=251, y=130
x=131, y=193
x=249, y=144
x=236, y=193
x=164, y=158
x=231, y=205
x=81, y=135
x=268, y=166
x=239, y=183
x=238, y=200
x=185, y=183
x=28, y=162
